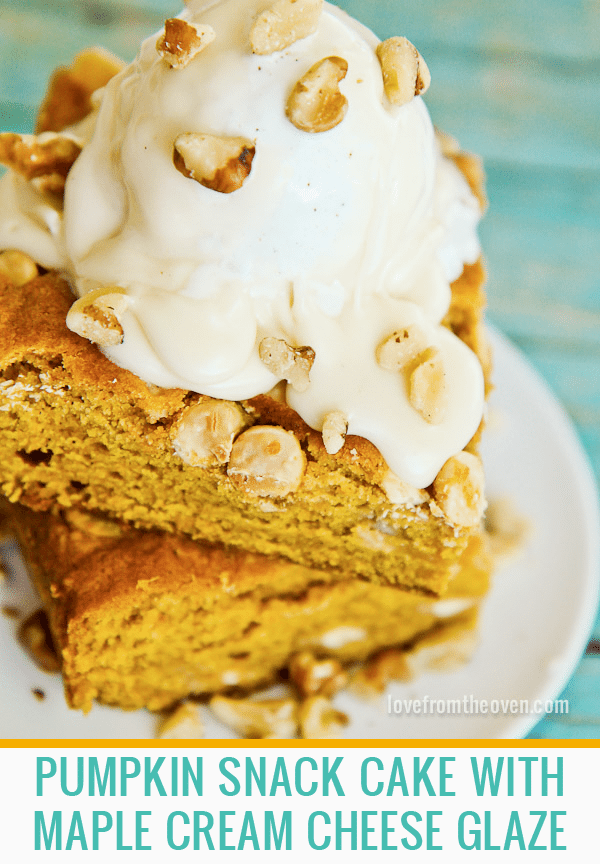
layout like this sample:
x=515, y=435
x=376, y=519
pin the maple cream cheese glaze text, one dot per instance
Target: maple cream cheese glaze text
x=238, y=199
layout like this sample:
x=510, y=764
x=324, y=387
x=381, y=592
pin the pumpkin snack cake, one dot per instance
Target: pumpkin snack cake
x=242, y=299
x=143, y=619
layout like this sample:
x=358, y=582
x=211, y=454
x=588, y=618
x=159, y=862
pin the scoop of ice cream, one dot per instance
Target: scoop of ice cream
x=274, y=215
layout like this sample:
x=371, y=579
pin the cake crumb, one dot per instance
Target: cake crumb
x=38, y=693
x=35, y=636
x=12, y=612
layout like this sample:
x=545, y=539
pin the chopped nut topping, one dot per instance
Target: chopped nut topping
x=17, y=267
x=184, y=722
x=205, y=433
x=428, y=392
x=35, y=636
x=269, y=718
x=317, y=677
x=319, y=719
x=405, y=73
x=45, y=159
x=458, y=490
x=267, y=461
x=182, y=41
x=401, y=348
x=399, y=492
x=291, y=364
x=95, y=316
x=69, y=96
x=334, y=431
x=219, y=163
x=376, y=674
x=283, y=24
x=316, y=103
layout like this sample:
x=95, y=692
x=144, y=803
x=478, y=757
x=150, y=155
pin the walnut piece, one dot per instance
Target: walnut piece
x=458, y=490
x=334, y=431
x=95, y=316
x=319, y=719
x=205, y=432
x=315, y=677
x=291, y=364
x=182, y=41
x=45, y=160
x=405, y=73
x=283, y=24
x=69, y=96
x=17, y=267
x=401, y=348
x=35, y=636
x=268, y=718
x=316, y=103
x=399, y=492
x=219, y=163
x=184, y=722
x=428, y=391
x=267, y=461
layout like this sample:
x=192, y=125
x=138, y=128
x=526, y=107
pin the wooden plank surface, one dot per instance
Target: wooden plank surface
x=518, y=82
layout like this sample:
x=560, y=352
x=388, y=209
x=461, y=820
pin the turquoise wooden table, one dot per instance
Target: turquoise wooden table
x=518, y=82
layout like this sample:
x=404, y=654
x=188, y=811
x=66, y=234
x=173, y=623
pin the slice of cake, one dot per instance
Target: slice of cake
x=242, y=361
x=144, y=619
x=241, y=336
x=78, y=431
x=258, y=204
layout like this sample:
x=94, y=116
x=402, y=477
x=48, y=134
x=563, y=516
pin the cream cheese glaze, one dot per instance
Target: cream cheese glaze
x=334, y=240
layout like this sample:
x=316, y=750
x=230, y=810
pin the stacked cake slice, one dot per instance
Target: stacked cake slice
x=302, y=474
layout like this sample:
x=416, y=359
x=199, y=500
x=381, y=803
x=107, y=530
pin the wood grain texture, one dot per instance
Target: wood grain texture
x=517, y=82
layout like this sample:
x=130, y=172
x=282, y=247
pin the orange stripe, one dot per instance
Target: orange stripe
x=430, y=744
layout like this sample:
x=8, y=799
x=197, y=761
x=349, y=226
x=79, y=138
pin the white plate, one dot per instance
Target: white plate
x=534, y=625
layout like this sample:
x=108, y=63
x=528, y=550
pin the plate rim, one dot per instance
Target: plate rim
x=588, y=493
